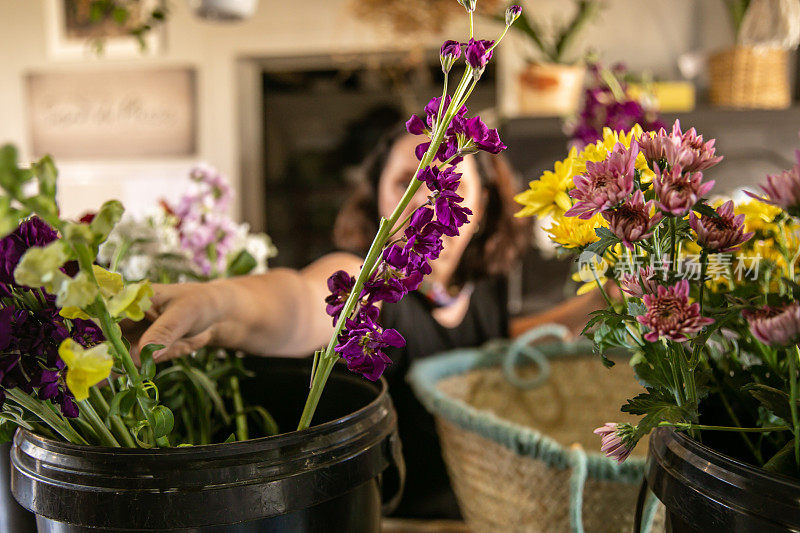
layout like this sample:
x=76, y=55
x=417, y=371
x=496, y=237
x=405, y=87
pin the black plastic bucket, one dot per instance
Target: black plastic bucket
x=705, y=491
x=326, y=478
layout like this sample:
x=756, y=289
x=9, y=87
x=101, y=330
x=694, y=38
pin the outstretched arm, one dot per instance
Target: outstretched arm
x=281, y=312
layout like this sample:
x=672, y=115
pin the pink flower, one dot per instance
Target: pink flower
x=631, y=221
x=613, y=442
x=605, y=183
x=775, y=327
x=783, y=190
x=687, y=150
x=670, y=315
x=723, y=233
x=678, y=192
x=637, y=284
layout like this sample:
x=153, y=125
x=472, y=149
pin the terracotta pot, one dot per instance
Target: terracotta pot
x=549, y=89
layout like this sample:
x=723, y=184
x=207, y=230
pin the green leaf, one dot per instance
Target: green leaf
x=231, y=438
x=161, y=421
x=46, y=174
x=705, y=209
x=148, y=366
x=775, y=401
x=120, y=15
x=607, y=239
x=242, y=264
x=657, y=405
x=122, y=402
x=783, y=461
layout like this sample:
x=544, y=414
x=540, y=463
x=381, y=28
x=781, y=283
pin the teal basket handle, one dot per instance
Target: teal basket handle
x=522, y=348
x=580, y=470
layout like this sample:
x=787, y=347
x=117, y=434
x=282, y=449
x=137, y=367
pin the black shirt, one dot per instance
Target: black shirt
x=427, y=492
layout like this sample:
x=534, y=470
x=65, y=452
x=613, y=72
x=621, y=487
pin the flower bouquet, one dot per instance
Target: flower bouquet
x=702, y=294
x=67, y=372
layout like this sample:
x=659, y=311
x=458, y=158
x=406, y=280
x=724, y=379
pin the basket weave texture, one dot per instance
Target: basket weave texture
x=508, y=451
x=750, y=78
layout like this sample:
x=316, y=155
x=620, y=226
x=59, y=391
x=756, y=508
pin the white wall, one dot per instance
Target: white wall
x=645, y=34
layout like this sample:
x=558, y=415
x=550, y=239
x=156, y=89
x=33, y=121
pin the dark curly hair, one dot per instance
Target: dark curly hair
x=493, y=248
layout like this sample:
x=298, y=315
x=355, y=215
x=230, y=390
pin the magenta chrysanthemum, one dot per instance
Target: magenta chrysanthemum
x=775, y=327
x=631, y=221
x=723, y=233
x=670, y=315
x=677, y=192
x=612, y=442
x=605, y=184
x=687, y=150
x=783, y=189
x=637, y=284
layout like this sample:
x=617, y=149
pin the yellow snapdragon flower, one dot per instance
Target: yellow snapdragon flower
x=132, y=301
x=85, y=367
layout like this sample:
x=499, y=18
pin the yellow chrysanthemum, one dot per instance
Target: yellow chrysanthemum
x=758, y=216
x=573, y=232
x=85, y=367
x=548, y=195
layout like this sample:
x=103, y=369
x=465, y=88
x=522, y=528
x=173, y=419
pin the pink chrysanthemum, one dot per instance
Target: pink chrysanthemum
x=723, y=233
x=637, y=284
x=605, y=183
x=774, y=326
x=678, y=192
x=687, y=150
x=783, y=190
x=670, y=315
x=631, y=221
x=613, y=442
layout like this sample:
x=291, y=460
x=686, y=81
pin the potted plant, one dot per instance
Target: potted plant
x=754, y=73
x=551, y=83
x=96, y=446
x=706, y=308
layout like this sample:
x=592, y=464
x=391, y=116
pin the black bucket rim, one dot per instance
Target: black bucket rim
x=709, y=489
x=382, y=392
x=296, y=470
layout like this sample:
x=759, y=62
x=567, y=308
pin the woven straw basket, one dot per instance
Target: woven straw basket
x=752, y=78
x=517, y=438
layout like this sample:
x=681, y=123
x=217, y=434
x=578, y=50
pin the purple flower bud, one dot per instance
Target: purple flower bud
x=512, y=14
x=451, y=50
x=478, y=53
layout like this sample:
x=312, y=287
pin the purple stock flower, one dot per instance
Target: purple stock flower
x=31, y=232
x=775, y=326
x=670, y=315
x=86, y=332
x=339, y=284
x=478, y=53
x=722, y=233
x=424, y=237
x=605, y=184
x=676, y=191
x=362, y=346
x=444, y=184
x=631, y=221
x=783, y=190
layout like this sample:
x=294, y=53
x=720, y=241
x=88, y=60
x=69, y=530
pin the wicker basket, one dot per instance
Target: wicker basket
x=513, y=437
x=751, y=78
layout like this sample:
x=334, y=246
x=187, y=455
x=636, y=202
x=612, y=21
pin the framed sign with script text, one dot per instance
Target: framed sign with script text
x=113, y=114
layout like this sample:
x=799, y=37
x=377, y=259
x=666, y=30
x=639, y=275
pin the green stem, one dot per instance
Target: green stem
x=118, y=427
x=793, y=355
x=238, y=406
x=735, y=419
x=683, y=425
x=673, y=229
x=703, y=270
x=106, y=438
x=58, y=423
